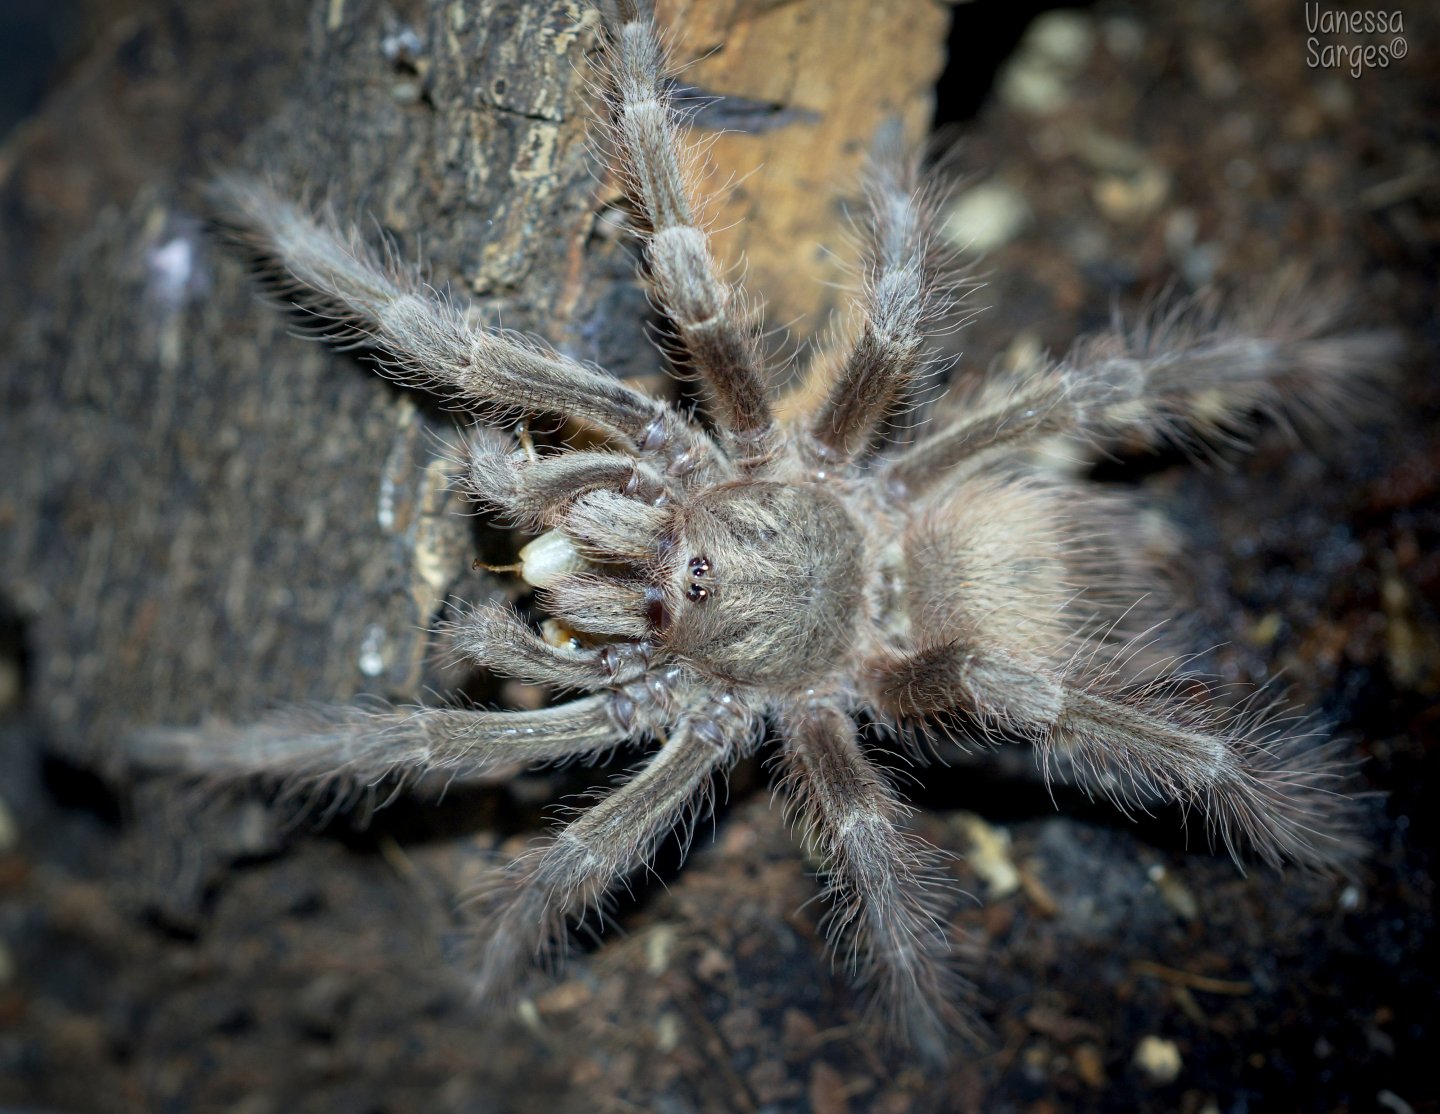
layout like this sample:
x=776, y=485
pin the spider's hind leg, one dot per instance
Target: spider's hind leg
x=526, y=913
x=994, y=639
x=355, y=747
x=1183, y=374
x=1254, y=781
x=879, y=879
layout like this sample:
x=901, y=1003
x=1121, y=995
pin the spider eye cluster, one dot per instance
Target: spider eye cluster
x=699, y=569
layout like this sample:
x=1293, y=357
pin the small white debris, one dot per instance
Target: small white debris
x=668, y=1033
x=1391, y=1101
x=1055, y=48
x=402, y=48
x=530, y=1016
x=1065, y=37
x=372, y=646
x=990, y=855
x=1174, y=893
x=986, y=217
x=659, y=946
x=172, y=269
x=1159, y=1059
x=385, y=510
x=1030, y=87
x=1132, y=197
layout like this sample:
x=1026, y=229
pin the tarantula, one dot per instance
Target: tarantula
x=803, y=565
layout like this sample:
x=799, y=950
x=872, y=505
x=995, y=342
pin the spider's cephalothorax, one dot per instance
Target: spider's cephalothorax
x=768, y=584
x=797, y=564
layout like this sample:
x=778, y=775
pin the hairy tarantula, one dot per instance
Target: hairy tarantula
x=804, y=565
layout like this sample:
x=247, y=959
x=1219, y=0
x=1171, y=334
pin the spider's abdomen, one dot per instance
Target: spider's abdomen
x=771, y=578
x=993, y=564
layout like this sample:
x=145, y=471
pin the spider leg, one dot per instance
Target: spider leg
x=1179, y=374
x=532, y=493
x=499, y=639
x=1254, y=781
x=604, y=605
x=608, y=526
x=604, y=843
x=714, y=329
x=999, y=416
x=878, y=876
x=427, y=340
x=900, y=300
x=353, y=748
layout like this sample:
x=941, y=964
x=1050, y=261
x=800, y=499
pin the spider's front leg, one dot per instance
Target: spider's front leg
x=527, y=912
x=878, y=876
x=427, y=341
x=719, y=335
